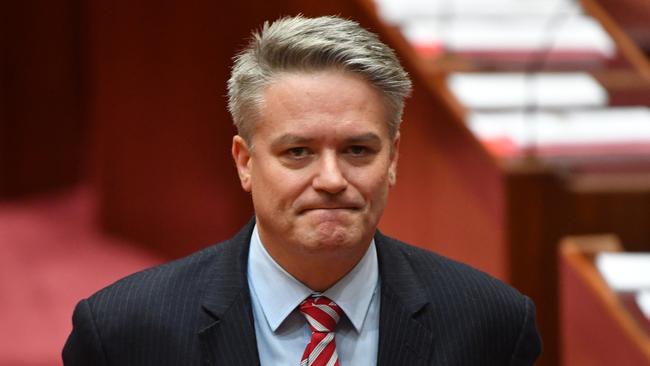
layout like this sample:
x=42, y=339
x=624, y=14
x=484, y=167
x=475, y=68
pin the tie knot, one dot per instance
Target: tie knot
x=321, y=313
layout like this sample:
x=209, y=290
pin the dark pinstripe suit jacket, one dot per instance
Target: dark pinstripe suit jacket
x=197, y=311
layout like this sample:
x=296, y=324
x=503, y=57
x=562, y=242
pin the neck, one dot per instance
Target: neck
x=319, y=276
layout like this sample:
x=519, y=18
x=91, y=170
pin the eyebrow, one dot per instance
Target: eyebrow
x=365, y=138
x=291, y=139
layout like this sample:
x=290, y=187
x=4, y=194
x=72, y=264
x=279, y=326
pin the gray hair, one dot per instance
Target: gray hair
x=313, y=44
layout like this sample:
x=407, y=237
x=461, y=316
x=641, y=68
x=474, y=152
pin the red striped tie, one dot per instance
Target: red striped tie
x=322, y=315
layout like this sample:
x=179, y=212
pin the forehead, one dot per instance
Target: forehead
x=332, y=101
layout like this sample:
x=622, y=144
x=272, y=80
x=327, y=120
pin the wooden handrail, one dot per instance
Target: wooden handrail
x=578, y=252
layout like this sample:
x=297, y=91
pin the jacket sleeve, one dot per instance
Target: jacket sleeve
x=83, y=346
x=529, y=343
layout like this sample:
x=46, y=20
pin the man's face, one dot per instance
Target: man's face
x=321, y=164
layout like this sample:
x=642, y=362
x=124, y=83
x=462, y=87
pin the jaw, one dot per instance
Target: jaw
x=319, y=248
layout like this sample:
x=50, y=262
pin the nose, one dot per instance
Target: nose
x=329, y=177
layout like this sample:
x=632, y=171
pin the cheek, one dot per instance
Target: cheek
x=276, y=187
x=372, y=184
x=264, y=190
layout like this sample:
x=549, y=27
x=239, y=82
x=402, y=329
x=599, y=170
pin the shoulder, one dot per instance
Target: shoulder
x=463, y=305
x=177, y=279
x=158, y=307
x=157, y=281
x=151, y=300
x=132, y=311
x=181, y=281
x=437, y=274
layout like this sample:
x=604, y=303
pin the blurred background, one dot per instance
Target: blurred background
x=527, y=137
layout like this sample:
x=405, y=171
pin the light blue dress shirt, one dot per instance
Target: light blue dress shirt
x=282, y=332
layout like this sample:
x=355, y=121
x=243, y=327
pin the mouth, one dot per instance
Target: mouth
x=329, y=209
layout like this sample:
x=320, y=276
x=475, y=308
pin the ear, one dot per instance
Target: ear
x=394, y=155
x=242, y=155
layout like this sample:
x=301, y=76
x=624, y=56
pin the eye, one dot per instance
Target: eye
x=358, y=150
x=297, y=153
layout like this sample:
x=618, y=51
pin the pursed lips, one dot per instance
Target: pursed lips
x=331, y=208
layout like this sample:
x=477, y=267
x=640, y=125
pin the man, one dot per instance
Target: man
x=310, y=281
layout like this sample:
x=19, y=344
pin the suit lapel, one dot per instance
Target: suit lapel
x=227, y=332
x=403, y=340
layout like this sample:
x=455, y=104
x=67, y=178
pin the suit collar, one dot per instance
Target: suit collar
x=403, y=339
x=227, y=331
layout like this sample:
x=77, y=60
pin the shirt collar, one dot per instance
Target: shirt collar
x=279, y=293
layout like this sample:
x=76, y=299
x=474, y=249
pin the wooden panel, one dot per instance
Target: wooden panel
x=632, y=16
x=597, y=329
x=161, y=130
x=41, y=115
x=624, y=43
x=534, y=201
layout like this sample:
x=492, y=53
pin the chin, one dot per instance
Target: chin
x=329, y=237
x=324, y=231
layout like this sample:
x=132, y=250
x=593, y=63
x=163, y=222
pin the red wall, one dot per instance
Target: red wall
x=41, y=97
